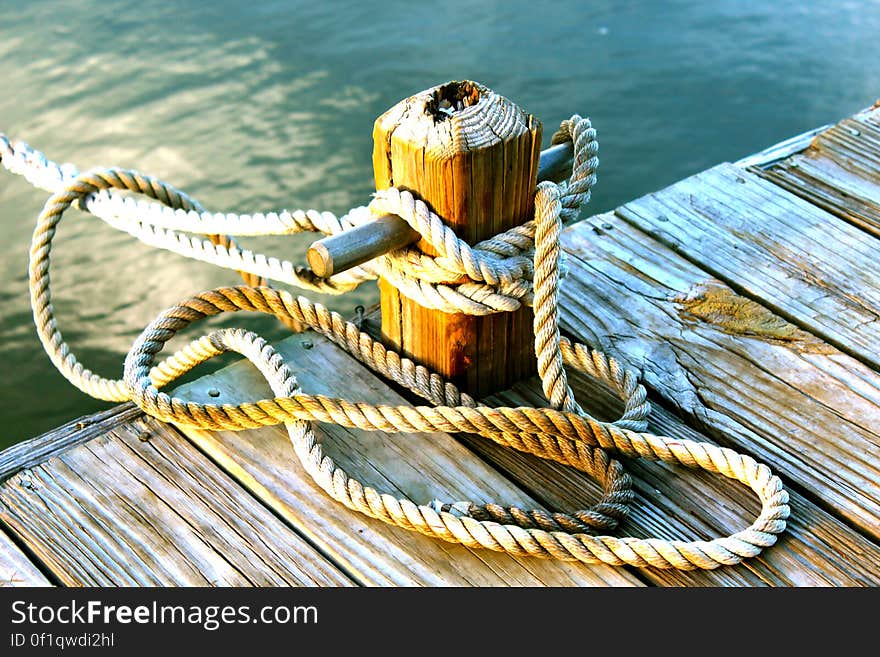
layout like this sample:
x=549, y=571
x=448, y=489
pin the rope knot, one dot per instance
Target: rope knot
x=497, y=274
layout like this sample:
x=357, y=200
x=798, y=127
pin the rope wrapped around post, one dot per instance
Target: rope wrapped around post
x=522, y=265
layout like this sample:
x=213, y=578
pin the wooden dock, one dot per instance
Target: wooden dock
x=748, y=295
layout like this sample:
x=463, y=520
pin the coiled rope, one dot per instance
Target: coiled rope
x=522, y=265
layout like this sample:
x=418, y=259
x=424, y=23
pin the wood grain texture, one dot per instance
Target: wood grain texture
x=816, y=549
x=786, y=148
x=139, y=505
x=731, y=367
x=424, y=467
x=676, y=503
x=476, y=168
x=839, y=172
x=797, y=259
x=16, y=569
x=29, y=453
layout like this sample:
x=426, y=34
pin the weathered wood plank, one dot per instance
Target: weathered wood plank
x=799, y=260
x=424, y=467
x=744, y=375
x=15, y=567
x=29, y=453
x=839, y=172
x=680, y=504
x=139, y=505
x=782, y=150
x=816, y=550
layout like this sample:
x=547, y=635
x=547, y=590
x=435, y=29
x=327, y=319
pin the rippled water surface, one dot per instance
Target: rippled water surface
x=267, y=105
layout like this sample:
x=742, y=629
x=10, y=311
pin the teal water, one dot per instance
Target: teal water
x=267, y=105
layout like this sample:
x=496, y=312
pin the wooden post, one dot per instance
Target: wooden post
x=472, y=156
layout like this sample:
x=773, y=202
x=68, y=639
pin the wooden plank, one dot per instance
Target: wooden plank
x=29, y=453
x=782, y=150
x=139, y=505
x=16, y=569
x=839, y=172
x=680, y=504
x=799, y=260
x=817, y=549
x=731, y=367
x=424, y=467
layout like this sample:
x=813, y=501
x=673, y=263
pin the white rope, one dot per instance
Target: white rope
x=499, y=270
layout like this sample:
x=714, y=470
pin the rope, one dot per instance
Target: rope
x=498, y=270
x=522, y=265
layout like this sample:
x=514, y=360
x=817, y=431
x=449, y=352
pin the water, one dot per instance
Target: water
x=266, y=105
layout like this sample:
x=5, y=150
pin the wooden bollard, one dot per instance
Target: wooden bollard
x=472, y=156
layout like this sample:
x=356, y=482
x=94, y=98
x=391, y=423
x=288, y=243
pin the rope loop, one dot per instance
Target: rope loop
x=521, y=265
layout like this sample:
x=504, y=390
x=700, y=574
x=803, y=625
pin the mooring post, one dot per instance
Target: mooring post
x=472, y=156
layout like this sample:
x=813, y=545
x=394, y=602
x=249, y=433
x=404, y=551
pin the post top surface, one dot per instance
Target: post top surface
x=455, y=117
